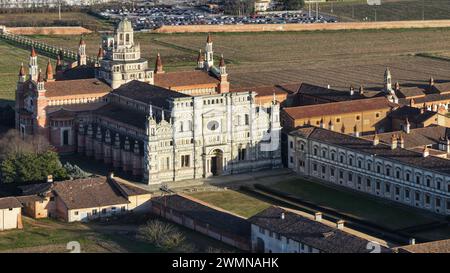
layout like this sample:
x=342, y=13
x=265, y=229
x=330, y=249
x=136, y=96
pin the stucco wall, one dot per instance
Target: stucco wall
x=9, y=218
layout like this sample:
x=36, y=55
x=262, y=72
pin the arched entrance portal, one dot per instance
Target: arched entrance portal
x=217, y=162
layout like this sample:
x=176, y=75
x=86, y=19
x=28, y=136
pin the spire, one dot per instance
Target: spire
x=49, y=71
x=361, y=89
x=82, y=57
x=209, y=53
x=58, y=61
x=200, y=60
x=100, y=53
x=40, y=82
x=82, y=42
x=387, y=80
x=222, y=61
x=40, y=77
x=22, y=71
x=397, y=86
x=159, y=65
x=33, y=52
x=200, y=56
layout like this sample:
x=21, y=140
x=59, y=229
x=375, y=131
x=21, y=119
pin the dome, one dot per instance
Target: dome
x=125, y=26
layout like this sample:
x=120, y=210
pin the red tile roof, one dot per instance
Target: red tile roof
x=185, y=78
x=338, y=108
x=269, y=90
x=76, y=87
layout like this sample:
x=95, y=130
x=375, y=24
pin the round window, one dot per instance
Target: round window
x=213, y=125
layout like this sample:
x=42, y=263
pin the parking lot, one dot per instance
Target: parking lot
x=154, y=17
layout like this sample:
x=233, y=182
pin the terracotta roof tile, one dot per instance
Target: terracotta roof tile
x=335, y=108
x=442, y=246
x=89, y=193
x=76, y=87
x=9, y=202
x=185, y=78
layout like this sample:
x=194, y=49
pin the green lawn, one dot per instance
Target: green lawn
x=233, y=201
x=10, y=59
x=354, y=204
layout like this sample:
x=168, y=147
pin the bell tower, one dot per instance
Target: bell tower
x=209, y=53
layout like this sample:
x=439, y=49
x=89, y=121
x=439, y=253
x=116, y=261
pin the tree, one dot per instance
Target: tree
x=293, y=4
x=12, y=143
x=163, y=235
x=30, y=167
x=75, y=172
x=239, y=7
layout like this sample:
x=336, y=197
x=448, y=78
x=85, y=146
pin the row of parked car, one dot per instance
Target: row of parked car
x=155, y=17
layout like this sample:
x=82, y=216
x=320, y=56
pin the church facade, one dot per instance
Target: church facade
x=162, y=126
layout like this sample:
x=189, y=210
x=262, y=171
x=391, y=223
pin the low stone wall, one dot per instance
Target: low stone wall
x=305, y=27
x=48, y=30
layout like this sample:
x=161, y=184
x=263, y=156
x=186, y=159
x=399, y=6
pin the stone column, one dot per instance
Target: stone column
x=107, y=156
x=81, y=142
x=137, y=160
x=98, y=147
x=116, y=160
x=89, y=150
x=126, y=156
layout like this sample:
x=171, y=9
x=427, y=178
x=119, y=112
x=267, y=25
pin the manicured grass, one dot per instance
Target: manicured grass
x=34, y=234
x=389, y=10
x=10, y=59
x=233, y=201
x=359, y=206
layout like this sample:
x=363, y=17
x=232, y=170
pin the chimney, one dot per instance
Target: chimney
x=318, y=216
x=393, y=142
x=356, y=131
x=401, y=141
x=361, y=89
x=426, y=152
x=340, y=224
x=376, y=140
x=412, y=241
x=282, y=216
x=50, y=178
x=321, y=123
x=352, y=90
x=407, y=127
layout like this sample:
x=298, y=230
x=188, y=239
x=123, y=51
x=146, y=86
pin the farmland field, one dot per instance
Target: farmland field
x=52, y=19
x=389, y=10
x=338, y=58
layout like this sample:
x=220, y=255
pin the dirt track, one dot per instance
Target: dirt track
x=306, y=27
x=48, y=30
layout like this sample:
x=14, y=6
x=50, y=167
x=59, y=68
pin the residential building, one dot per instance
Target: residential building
x=83, y=199
x=441, y=246
x=354, y=117
x=10, y=213
x=280, y=230
x=435, y=137
x=388, y=171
